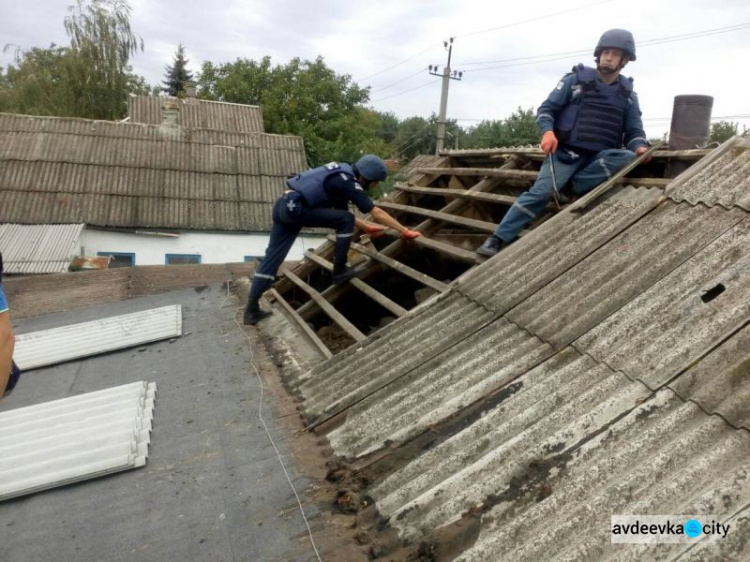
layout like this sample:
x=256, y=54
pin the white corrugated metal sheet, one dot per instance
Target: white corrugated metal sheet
x=38, y=248
x=75, y=439
x=48, y=347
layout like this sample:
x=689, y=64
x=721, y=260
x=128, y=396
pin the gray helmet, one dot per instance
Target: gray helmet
x=371, y=168
x=616, y=39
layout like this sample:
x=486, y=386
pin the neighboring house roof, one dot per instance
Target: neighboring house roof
x=59, y=170
x=38, y=248
x=198, y=114
x=596, y=367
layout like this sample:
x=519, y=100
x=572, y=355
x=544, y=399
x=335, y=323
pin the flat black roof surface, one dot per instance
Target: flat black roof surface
x=212, y=489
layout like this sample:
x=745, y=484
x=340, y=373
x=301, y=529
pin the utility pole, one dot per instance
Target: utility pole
x=447, y=76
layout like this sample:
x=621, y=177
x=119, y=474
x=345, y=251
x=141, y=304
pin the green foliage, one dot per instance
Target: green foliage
x=177, y=77
x=518, y=129
x=417, y=135
x=305, y=98
x=724, y=130
x=90, y=78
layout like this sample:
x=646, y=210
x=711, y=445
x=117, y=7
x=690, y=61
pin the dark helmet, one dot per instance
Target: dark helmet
x=371, y=168
x=616, y=39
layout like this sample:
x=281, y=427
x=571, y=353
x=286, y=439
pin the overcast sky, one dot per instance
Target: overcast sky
x=388, y=44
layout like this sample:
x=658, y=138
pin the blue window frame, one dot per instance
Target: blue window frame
x=119, y=259
x=181, y=259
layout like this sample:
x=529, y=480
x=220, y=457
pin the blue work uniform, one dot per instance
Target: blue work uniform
x=318, y=198
x=579, y=162
x=15, y=372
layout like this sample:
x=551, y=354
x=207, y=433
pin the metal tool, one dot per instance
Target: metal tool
x=555, y=191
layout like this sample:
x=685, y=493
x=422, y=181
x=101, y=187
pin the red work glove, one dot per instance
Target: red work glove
x=549, y=142
x=374, y=228
x=375, y=231
x=640, y=150
x=410, y=234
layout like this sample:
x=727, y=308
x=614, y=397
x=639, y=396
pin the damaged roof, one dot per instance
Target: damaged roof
x=597, y=367
x=59, y=170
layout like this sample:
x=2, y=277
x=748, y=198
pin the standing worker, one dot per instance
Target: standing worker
x=585, y=122
x=8, y=371
x=320, y=198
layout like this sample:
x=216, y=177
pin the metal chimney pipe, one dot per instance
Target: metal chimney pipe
x=690, y=128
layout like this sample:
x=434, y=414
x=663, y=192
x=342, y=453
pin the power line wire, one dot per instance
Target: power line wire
x=406, y=91
x=471, y=34
x=536, y=59
x=537, y=18
x=400, y=81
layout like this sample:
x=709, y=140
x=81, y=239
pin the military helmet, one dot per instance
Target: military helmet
x=616, y=39
x=372, y=168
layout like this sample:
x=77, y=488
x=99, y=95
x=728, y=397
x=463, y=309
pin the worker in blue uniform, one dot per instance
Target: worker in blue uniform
x=320, y=198
x=591, y=127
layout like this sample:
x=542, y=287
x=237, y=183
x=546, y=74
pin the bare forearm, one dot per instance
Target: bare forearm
x=382, y=217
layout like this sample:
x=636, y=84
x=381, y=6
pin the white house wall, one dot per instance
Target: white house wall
x=213, y=247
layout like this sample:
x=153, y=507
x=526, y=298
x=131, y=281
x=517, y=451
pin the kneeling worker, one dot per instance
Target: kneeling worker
x=320, y=198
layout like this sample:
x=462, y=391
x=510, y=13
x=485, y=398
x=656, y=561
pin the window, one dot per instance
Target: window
x=252, y=258
x=182, y=259
x=119, y=259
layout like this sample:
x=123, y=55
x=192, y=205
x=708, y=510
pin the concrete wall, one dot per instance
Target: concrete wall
x=212, y=247
x=37, y=295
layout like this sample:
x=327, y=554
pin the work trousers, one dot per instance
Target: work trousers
x=585, y=173
x=290, y=215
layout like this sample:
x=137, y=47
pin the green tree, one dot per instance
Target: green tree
x=90, y=78
x=417, y=135
x=101, y=43
x=517, y=129
x=724, y=130
x=177, y=76
x=305, y=98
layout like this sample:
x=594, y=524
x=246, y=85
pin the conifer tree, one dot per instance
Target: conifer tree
x=177, y=76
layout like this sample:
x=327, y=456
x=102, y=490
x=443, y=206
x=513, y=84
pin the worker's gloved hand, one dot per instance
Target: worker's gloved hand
x=549, y=142
x=374, y=228
x=640, y=150
x=410, y=234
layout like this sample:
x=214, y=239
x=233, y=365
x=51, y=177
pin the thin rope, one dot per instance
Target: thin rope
x=262, y=421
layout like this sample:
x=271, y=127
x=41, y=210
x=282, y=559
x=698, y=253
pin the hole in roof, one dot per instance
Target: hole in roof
x=712, y=293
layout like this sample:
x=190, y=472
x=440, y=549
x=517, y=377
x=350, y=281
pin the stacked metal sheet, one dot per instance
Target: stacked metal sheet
x=74, y=439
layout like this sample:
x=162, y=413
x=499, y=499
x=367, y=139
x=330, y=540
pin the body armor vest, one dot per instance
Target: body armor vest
x=595, y=118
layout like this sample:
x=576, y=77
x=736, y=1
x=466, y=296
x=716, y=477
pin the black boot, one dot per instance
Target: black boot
x=342, y=274
x=491, y=246
x=253, y=313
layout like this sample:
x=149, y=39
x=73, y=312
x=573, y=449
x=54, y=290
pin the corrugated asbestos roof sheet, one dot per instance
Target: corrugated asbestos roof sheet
x=594, y=351
x=55, y=170
x=471, y=367
x=598, y=286
x=722, y=178
x=720, y=383
x=198, y=114
x=665, y=457
x=56, y=345
x=547, y=251
x=675, y=322
x=38, y=248
x=75, y=439
x=409, y=342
